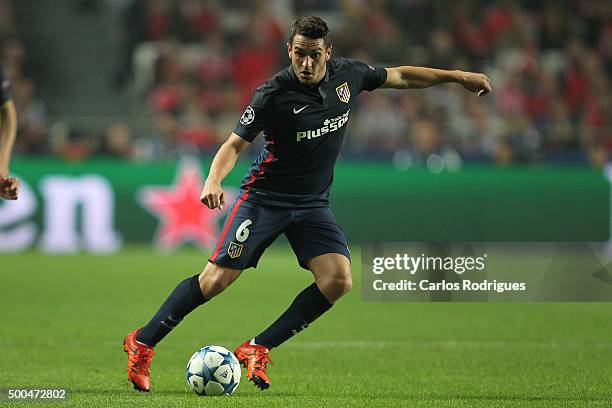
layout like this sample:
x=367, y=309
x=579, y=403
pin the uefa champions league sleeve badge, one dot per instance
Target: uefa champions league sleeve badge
x=248, y=116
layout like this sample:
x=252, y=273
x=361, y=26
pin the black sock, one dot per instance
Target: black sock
x=184, y=298
x=306, y=307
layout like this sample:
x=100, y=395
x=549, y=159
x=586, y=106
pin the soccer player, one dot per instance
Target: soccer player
x=302, y=111
x=9, y=186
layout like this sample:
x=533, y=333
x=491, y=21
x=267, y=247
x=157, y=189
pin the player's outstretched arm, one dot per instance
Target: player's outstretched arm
x=225, y=159
x=9, y=186
x=406, y=77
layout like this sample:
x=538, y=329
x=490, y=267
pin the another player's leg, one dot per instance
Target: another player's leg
x=332, y=274
x=188, y=295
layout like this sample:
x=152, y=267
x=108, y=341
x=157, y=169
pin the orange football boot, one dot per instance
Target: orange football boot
x=254, y=358
x=139, y=361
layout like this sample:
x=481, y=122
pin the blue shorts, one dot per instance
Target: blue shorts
x=250, y=228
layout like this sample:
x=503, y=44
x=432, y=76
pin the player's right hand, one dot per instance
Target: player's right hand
x=212, y=195
x=9, y=188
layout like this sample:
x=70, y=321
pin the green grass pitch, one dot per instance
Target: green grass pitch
x=64, y=319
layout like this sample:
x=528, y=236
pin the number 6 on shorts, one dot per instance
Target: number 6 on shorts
x=242, y=233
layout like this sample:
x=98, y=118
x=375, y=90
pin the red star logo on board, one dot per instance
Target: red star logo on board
x=182, y=217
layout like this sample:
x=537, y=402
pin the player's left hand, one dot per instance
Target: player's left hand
x=9, y=188
x=477, y=83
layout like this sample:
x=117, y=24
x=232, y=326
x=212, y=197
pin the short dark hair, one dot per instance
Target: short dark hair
x=311, y=27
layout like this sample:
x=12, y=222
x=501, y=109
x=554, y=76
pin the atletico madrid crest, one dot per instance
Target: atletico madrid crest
x=344, y=93
x=234, y=250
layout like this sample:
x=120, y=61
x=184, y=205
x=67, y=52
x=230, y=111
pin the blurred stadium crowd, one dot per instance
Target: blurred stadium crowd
x=191, y=65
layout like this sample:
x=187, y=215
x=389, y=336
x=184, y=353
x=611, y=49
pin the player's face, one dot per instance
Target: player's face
x=308, y=58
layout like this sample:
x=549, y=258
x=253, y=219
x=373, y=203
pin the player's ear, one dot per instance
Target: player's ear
x=328, y=53
x=289, y=49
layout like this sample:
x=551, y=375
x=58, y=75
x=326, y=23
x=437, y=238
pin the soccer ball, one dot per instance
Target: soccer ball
x=213, y=370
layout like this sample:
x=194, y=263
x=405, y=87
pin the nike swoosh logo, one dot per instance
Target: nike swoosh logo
x=296, y=111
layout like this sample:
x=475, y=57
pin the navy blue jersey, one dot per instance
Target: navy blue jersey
x=5, y=88
x=303, y=127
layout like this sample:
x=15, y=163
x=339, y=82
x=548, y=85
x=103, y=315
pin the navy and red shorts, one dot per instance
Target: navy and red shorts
x=251, y=227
